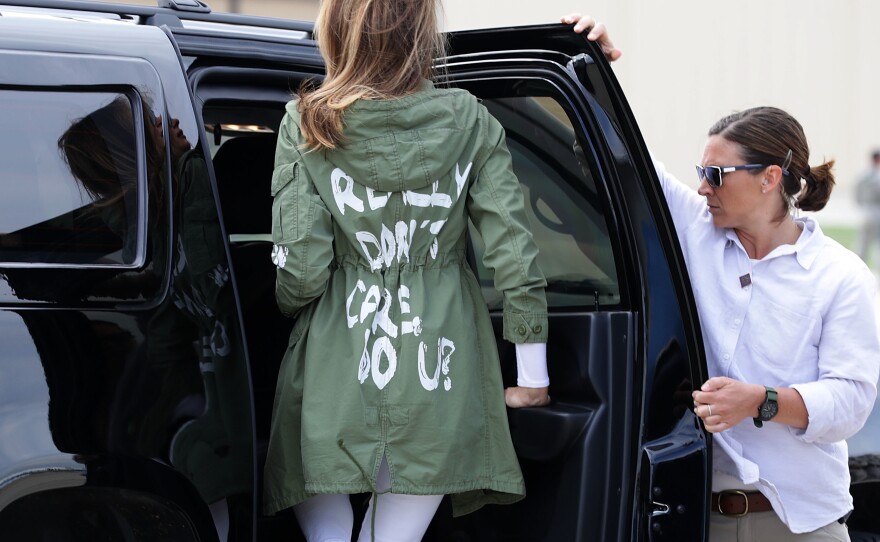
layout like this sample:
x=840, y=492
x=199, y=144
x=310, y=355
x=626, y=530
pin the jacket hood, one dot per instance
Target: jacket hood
x=405, y=143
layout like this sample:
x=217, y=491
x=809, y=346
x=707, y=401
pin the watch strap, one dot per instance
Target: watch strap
x=770, y=395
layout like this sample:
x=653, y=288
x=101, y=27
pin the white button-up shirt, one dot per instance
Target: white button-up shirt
x=805, y=320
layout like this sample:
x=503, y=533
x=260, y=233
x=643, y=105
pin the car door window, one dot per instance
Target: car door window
x=565, y=208
x=69, y=188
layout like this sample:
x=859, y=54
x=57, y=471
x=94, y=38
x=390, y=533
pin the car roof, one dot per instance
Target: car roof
x=193, y=16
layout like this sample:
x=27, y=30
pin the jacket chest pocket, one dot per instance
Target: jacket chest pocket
x=285, y=202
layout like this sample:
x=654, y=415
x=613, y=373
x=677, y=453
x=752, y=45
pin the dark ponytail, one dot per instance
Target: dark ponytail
x=819, y=181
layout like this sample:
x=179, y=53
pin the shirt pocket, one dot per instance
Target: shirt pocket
x=785, y=340
x=284, y=203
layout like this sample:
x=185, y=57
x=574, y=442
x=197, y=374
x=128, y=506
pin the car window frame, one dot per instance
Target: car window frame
x=140, y=223
x=579, y=183
x=83, y=285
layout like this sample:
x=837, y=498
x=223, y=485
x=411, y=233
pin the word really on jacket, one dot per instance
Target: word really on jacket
x=381, y=250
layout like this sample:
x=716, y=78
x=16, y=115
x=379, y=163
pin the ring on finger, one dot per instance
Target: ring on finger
x=710, y=409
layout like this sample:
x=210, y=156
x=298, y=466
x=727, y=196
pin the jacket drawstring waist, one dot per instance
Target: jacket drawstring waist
x=373, y=488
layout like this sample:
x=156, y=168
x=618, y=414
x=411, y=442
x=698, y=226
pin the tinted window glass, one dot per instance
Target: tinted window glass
x=69, y=181
x=565, y=209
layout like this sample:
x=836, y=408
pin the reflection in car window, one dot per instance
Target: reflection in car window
x=564, y=208
x=65, y=206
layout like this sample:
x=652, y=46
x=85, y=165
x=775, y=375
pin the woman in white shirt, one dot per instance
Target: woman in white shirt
x=788, y=323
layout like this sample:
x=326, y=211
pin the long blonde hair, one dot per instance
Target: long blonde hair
x=373, y=49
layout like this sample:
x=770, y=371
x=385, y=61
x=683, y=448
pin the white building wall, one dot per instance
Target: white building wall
x=687, y=63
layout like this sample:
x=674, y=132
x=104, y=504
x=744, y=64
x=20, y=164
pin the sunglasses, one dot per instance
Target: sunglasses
x=713, y=174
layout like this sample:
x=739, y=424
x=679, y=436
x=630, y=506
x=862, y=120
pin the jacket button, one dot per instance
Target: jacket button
x=521, y=329
x=538, y=329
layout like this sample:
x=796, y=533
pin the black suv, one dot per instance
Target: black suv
x=139, y=336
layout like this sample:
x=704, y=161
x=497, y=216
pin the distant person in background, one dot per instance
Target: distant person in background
x=868, y=197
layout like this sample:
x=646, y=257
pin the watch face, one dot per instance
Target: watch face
x=768, y=410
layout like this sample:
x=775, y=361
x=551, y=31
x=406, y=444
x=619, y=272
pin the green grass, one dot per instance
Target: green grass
x=845, y=235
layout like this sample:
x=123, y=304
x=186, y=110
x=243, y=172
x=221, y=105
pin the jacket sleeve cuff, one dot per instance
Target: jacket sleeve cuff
x=525, y=327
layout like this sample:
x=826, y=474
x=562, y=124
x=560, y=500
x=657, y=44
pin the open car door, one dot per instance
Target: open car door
x=619, y=455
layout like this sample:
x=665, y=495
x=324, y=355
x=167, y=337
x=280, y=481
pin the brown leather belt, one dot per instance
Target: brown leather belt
x=739, y=503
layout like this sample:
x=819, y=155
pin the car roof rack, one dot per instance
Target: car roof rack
x=165, y=11
x=185, y=5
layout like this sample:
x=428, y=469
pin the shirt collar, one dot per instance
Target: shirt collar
x=810, y=243
x=805, y=249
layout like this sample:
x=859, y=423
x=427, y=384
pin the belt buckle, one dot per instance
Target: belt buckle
x=733, y=492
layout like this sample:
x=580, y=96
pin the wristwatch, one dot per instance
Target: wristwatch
x=768, y=408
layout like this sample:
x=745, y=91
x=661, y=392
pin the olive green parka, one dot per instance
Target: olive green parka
x=393, y=352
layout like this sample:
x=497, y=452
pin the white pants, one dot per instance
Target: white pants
x=399, y=518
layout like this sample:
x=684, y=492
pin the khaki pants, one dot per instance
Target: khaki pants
x=767, y=527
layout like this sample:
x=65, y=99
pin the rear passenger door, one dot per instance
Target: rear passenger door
x=124, y=401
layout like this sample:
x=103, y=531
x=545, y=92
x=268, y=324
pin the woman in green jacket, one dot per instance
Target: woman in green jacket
x=391, y=382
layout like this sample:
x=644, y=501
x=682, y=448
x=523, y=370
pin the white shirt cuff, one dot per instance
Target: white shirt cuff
x=531, y=365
